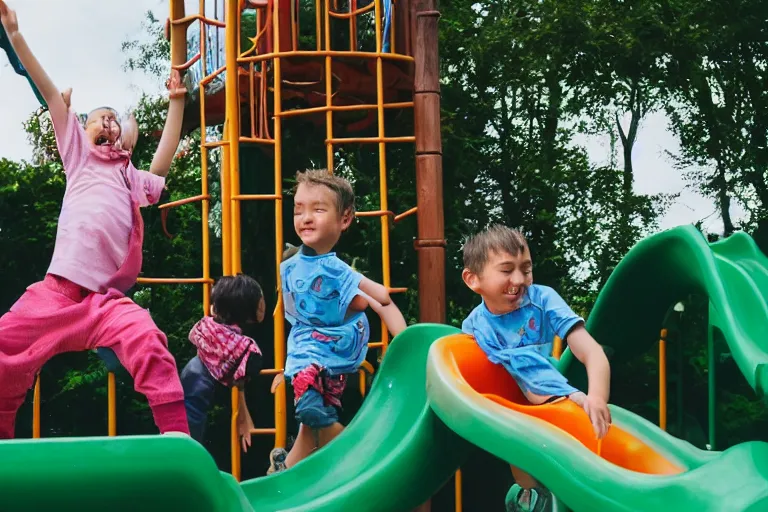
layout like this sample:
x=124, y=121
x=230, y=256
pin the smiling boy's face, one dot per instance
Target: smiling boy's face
x=316, y=217
x=503, y=281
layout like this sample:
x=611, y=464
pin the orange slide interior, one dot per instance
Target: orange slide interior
x=494, y=383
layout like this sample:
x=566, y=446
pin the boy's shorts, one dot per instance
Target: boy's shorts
x=317, y=396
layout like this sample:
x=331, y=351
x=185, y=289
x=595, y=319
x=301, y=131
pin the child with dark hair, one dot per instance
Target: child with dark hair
x=224, y=354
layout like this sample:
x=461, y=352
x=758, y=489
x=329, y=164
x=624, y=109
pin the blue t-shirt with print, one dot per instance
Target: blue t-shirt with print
x=521, y=340
x=317, y=291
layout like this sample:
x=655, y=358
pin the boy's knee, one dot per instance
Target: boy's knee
x=312, y=411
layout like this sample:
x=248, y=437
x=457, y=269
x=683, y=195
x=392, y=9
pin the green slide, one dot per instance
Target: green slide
x=662, y=270
x=392, y=457
x=398, y=450
x=656, y=273
x=735, y=480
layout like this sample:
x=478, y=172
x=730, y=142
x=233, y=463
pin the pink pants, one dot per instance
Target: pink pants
x=55, y=316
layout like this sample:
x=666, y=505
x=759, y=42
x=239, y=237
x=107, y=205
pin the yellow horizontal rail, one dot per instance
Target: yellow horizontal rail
x=174, y=280
x=370, y=140
x=343, y=108
x=326, y=53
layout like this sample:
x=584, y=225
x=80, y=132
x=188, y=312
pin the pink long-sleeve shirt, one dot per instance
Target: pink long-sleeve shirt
x=97, y=212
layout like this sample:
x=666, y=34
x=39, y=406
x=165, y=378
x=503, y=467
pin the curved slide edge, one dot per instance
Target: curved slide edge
x=734, y=480
x=394, y=454
x=663, y=269
x=127, y=473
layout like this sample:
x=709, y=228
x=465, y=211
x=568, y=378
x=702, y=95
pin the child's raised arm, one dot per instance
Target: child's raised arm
x=169, y=141
x=45, y=85
x=379, y=300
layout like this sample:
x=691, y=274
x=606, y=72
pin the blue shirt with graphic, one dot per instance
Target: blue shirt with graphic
x=521, y=340
x=317, y=291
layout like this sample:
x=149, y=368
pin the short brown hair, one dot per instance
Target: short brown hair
x=496, y=238
x=345, y=196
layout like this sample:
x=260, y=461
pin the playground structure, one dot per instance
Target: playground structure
x=445, y=395
x=258, y=42
x=242, y=79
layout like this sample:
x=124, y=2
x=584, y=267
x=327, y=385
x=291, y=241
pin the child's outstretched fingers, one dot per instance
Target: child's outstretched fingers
x=279, y=378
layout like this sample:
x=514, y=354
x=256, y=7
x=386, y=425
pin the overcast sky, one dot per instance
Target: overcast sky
x=79, y=46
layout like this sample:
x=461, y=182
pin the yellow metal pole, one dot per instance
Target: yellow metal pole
x=318, y=24
x=557, y=347
x=111, y=405
x=205, y=203
x=383, y=201
x=663, y=380
x=328, y=90
x=231, y=156
x=233, y=116
x=457, y=496
x=36, y=409
x=279, y=334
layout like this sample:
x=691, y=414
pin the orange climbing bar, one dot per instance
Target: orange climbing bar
x=257, y=197
x=188, y=20
x=406, y=213
x=174, y=280
x=351, y=14
x=184, y=201
x=381, y=139
x=188, y=64
x=111, y=405
x=327, y=53
x=36, y=409
x=343, y=108
x=457, y=491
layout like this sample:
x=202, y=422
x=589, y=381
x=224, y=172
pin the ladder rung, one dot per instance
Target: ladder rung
x=173, y=280
x=343, y=108
x=257, y=197
x=187, y=20
x=263, y=431
x=370, y=140
x=184, y=201
x=257, y=140
x=406, y=213
x=215, y=144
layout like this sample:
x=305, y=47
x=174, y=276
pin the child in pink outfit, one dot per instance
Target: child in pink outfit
x=81, y=302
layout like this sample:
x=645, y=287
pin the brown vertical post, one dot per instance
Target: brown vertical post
x=430, y=242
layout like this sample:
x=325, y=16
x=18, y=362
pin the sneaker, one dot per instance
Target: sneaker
x=277, y=460
x=518, y=499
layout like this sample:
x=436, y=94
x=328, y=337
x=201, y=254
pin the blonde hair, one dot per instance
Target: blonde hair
x=496, y=238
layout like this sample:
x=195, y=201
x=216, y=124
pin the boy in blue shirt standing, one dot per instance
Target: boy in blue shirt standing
x=325, y=301
x=515, y=325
